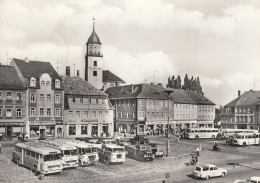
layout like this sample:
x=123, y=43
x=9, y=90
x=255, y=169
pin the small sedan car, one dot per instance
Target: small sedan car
x=208, y=170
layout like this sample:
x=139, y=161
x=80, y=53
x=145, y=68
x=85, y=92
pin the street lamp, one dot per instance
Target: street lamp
x=168, y=122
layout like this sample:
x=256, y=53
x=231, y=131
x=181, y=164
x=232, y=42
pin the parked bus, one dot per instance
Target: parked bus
x=69, y=152
x=38, y=157
x=244, y=139
x=111, y=154
x=197, y=133
x=229, y=133
x=87, y=153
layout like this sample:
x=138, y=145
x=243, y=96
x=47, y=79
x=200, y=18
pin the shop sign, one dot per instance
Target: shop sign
x=11, y=124
x=89, y=120
x=42, y=122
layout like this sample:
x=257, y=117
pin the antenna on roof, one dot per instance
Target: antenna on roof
x=74, y=69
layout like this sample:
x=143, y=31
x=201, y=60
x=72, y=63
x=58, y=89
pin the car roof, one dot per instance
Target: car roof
x=255, y=178
x=209, y=165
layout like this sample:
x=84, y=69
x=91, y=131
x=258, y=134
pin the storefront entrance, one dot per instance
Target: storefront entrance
x=94, y=131
x=59, y=133
x=42, y=134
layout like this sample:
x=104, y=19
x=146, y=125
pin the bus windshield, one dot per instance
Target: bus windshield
x=118, y=150
x=52, y=157
x=70, y=152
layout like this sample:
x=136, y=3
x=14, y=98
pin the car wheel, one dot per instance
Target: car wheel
x=197, y=137
x=244, y=144
x=207, y=177
x=213, y=137
x=223, y=174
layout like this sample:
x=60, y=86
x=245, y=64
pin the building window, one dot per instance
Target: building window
x=72, y=130
x=32, y=97
x=48, y=97
x=32, y=111
x=96, y=101
x=48, y=83
x=73, y=100
x=165, y=103
x=57, y=98
x=77, y=114
x=106, y=113
x=70, y=114
x=85, y=114
x=57, y=112
x=57, y=83
x=8, y=112
x=134, y=114
x=1, y=112
x=141, y=102
x=94, y=73
x=19, y=96
x=84, y=129
x=94, y=114
x=166, y=115
x=42, y=97
x=42, y=83
x=148, y=102
x=103, y=101
x=162, y=115
x=141, y=114
x=41, y=112
x=8, y=95
x=148, y=114
x=134, y=102
x=1, y=94
x=100, y=114
x=95, y=63
x=48, y=112
x=32, y=82
x=81, y=100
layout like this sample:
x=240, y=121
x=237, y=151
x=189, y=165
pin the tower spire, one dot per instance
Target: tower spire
x=93, y=24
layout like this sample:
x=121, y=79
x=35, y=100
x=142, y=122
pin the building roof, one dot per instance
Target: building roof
x=9, y=79
x=110, y=77
x=232, y=103
x=94, y=39
x=35, y=69
x=248, y=98
x=199, y=98
x=181, y=96
x=136, y=91
x=78, y=86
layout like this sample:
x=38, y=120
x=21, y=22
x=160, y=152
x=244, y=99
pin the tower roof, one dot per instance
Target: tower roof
x=94, y=39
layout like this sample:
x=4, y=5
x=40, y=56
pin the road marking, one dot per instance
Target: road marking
x=93, y=170
x=153, y=180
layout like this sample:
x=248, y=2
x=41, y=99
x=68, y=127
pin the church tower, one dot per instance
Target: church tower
x=94, y=60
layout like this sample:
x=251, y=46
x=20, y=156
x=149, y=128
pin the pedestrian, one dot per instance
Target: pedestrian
x=197, y=151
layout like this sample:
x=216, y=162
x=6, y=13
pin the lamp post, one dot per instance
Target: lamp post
x=168, y=122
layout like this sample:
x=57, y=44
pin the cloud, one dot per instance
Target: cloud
x=140, y=68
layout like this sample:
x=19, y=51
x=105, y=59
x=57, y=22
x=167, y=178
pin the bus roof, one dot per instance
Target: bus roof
x=203, y=128
x=242, y=130
x=38, y=147
x=58, y=145
x=113, y=146
x=76, y=143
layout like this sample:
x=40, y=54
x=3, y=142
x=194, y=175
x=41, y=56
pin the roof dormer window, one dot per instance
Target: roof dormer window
x=47, y=83
x=57, y=83
x=42, y=83
x=32, y=82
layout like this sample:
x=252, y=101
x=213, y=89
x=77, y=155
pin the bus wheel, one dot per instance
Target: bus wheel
x=19, y=161
x=197, y=137
x=244, y=144
x=35, y=169
x=213, y=137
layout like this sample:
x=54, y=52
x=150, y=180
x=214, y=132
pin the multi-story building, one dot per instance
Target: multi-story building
x=44, y=97
x=88, y=111
x=205, y=109
x=12, y=102
x=140, y=107
x=242, y=112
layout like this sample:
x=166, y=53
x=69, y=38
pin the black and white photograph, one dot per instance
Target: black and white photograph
x=130, y=91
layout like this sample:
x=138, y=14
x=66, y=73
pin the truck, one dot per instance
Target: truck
x=139, y=152
x=112, y=154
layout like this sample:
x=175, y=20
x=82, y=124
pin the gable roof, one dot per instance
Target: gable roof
x=199, y=98
x=181, y=96
x=110, y=77
x=78, y=86
x=9, y=79
x=248, y=98
x=233, y=102
x=35, y=69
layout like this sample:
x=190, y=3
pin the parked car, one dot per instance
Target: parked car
x=123, y=141
x=208, y=170
x=157, y=152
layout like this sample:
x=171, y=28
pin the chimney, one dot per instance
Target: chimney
x=132, y=88
x=26, y=59
x=67, y=70
x=239, y=93
x=77, y=73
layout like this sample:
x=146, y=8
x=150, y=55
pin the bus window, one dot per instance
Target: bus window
x=33, y=154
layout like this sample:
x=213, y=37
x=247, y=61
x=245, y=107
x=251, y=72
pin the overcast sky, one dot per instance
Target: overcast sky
x=143, y=40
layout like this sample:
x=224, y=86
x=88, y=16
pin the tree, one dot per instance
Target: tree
x=178, y=82
x=186, y=84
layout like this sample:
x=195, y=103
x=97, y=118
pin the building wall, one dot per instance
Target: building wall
x=206, y=115
x=88, y=116
x=245, y=117
x=185, y=115
x=11, y=120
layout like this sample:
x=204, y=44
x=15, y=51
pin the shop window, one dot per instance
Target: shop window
x=18, y=112
x=50, y=131
x=72, y=130
x=19, y=96
x=57, y=98
x=42, y=97
x=57, y=112
x=32, y=97
x=32, y=111
x=8, y=112
x=84, y=129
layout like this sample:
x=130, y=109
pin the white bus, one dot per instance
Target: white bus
x=38, y=157
x=197, y=133
x=69, y=152
x=87, y=153
x=244, y=139
x=229, y=133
